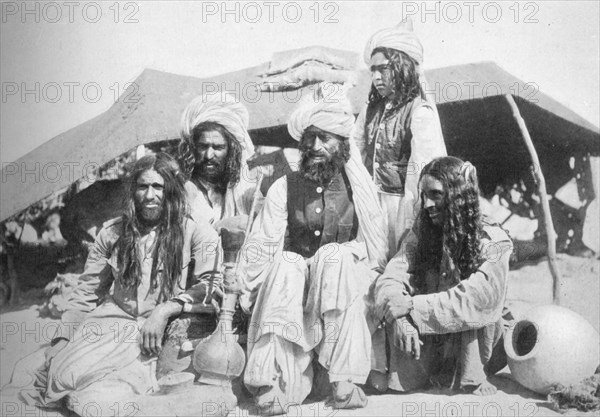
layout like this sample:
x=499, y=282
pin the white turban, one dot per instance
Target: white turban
x=333, y=113
x=219, y=108
x=400, y=38
x=223, y=109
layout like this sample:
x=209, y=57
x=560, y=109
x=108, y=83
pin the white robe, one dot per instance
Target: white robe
x=301, y=306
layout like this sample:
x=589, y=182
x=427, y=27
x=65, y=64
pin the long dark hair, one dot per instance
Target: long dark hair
x=406, y=76
x=233, y=166
x=459, y=238
x=168, y=249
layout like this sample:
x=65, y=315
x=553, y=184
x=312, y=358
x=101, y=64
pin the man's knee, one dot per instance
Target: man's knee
x=289, y=264
x=331, y=253
x=288, y=276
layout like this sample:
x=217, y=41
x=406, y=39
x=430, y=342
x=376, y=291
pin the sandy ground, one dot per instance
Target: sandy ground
x=23, y=332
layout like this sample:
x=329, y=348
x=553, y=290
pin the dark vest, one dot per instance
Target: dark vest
x=318, y=215
x=388, y=146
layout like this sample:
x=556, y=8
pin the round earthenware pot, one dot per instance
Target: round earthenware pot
x=551, y=345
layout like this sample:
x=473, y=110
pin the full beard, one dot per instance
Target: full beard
x=321, y=171
x=217, y=176
x=149, y=217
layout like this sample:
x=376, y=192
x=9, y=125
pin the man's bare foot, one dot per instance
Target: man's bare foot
x=347, y=395
x=483, y=389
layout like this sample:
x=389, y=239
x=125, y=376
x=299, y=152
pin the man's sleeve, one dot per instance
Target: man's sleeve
x=266, y=236
x=397, y=276
x=247, y=187
x=358, y=133
x=97, y=275
x=473, y=303
x=426, y=144
x=205, y=253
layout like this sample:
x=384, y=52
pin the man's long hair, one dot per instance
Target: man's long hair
x=168, y=245
x=405, y=75
x=233, y=165
x=459, y=238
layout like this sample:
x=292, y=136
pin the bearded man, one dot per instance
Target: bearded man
x=104, y=353
x=216, y=146
x=313, y=251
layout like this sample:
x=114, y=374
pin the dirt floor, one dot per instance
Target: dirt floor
x=23, y=332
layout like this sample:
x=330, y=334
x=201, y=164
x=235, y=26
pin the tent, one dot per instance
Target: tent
x=476, y=122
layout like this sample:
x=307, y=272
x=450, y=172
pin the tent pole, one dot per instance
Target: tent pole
x=550, y=233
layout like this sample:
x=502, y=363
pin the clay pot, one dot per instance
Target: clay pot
x=551, y=345
x=219, y=358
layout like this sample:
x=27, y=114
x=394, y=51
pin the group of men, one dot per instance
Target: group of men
x=316, y=282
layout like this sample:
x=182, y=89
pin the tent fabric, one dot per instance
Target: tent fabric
x=151, y=109
x=309, y=72
x=334, y=58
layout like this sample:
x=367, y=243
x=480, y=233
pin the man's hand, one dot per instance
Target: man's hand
x=397, y=306
x=406, y=337
x=154, y=328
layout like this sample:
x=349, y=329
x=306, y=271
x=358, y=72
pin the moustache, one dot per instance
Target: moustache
x=313, y=154
x=210, y=163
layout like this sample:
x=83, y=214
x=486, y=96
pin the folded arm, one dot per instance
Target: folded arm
x=398, y=276
x=473, y=303
x=205, y=253
x=204, y=250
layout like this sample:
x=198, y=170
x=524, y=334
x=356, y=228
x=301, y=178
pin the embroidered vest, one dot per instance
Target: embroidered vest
x=388, y=145
x=318, y=215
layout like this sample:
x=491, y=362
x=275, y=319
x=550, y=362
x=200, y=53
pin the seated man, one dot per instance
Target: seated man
x=144, y=256
x=214, y=149
x=445, y=289
x=216, y=146
x=311, y=256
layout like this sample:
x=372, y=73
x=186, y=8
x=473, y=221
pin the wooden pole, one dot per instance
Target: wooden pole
x=547, y=218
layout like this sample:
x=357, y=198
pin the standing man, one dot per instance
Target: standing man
x=398, y=131
x=446, y=287
x=214, y=131
x=312, y=253
x=144, y=256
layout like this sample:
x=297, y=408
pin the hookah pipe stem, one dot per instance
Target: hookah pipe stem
x=257, y=195
x=232, y=301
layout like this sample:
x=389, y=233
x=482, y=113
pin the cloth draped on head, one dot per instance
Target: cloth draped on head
x=330, y=112
x=218, y=108
x=224, y=109
x=402, y=38
x=333, y=113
